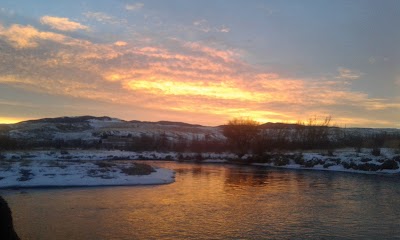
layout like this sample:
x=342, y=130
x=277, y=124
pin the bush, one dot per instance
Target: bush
x=103, y=164
x=389, y=164
x=368, y=167
x=281, y=160
x=376, y=152
x=327, y=165
x=181, y=158
x=346, y=165
x=299, y=159
x=366, y=160
x=198, y=157
x=311, y=163
x=330, y=153
x=138, y=169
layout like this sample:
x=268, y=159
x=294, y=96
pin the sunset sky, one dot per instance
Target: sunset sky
x=202, y=61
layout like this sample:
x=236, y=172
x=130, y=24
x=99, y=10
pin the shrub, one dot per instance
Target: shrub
x=299, y=159
x=264, y=158
x=281, y=160
x=346, y=165
x=330, y=153
x=389, y=164
x=334, y=160
x=327, y=165
x=366, y=160
x=198, y=157
x=368, y=167
x=311, y=163
x=138, y=169
x=103, y=164
x=376, y=151
x=181, y=158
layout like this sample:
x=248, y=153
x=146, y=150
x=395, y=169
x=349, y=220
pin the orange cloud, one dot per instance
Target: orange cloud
x=26, y=36
x=211, y=90
x=20, y=36
x=62, y=24
x=120, y=43
x=186, y=80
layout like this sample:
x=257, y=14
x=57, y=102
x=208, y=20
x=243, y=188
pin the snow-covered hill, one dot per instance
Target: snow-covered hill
x=92, y=129
x=112, y=132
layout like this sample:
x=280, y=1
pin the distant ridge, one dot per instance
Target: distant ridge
x=80, y=119
x=182, y=124
x=86, y=118
x=271, y=125
x=77, y=119
x=178, y=124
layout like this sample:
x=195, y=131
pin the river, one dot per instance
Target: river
x=217, y=202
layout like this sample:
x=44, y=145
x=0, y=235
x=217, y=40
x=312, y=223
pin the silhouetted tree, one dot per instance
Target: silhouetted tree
x=240, y=134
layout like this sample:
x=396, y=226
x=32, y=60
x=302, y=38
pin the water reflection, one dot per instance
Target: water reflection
x=247, y=177
x=217, y=202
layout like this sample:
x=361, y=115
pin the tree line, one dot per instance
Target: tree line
x=245, y=135
x=242, y=136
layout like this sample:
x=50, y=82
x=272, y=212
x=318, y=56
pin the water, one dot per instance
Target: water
x=217, y=202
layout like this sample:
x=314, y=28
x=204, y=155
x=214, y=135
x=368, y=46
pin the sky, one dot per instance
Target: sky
x=202, y=61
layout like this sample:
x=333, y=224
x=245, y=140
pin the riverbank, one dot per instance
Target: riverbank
x=69, y=168
x=28, y=173
x=368, y=161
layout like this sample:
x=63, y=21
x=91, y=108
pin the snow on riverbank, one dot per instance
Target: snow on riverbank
x=344, y=160
x=109, y=155
x=102, y=167
x=73, y=173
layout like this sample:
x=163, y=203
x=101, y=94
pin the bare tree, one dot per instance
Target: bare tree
x=314, y=133
x=241, y=133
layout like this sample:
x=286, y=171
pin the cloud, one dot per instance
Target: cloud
x=372, y=60
x=181, y=80
x=204, y=26
x=224, y=29
x=62, y=24
x=134, y=7
x=27, y=36
x=20, y=36
x=120, y=43
x=348, y=74
x=397, y=82
x=209, y=90
x=103, y=18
